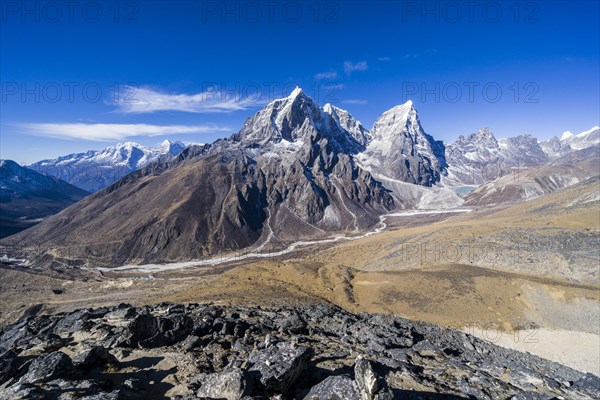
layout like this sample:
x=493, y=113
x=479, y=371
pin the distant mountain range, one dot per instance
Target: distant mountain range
x=568, y=142
x=27, y=197
x=293, y=171
x=471, y=160
x=535, y=181
x=97, y=169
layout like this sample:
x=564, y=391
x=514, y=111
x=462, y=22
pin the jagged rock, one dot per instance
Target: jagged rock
x=529, y=396
x=47, y=368
x=94, y=357
x=293, y=324
x=47, y=342
x=367, y=382
x=22, y=391
x=149, y=331
x=176, y=328
x=230, y=385
x=114, y=395
x=278, y=366
x=80, y=386
x=334, y=388
x=71, y=323
x=123, y=311
x=589, y=384
x=143, y=327
x=191, y=342
x=8, y=365
x=13, y=334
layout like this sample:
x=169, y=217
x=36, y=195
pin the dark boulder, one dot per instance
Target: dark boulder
x=148, y=331
x=278, y=366
x=97, y=356
x=46, y=368
x=340, y=387
x=230, y=385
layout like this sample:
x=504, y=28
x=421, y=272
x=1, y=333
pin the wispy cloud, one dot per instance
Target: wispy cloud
x=113, y=132
x=333, y=86
x=146, y=100
x=354, y=101
x=350, y=67
x=326, y=75
x=417, y=55
x=384, y=58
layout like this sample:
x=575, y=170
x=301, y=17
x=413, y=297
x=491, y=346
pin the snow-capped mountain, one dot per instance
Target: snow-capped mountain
x=469, y=157
x=346, y=121
x=583, y=140
x=26, y=197
x=294, y=171
x=554, y=147
x=569, y=142
x=97, y=169
x=480, y=158
x=400, y=149
x=288, y=174
x=523, y=150
x=293, y=119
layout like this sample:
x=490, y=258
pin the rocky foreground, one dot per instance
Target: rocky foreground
x=313, y=352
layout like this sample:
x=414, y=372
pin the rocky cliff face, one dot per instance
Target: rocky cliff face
x=479, y=158
x=522, y=150
x=174, y=351
x=347, y=122
x=553, y=147
x=400, y=149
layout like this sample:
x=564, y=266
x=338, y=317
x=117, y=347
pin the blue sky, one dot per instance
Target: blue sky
x=87, y=76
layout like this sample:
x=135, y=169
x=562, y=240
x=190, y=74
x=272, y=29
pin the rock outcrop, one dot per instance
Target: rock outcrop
x=215, y=352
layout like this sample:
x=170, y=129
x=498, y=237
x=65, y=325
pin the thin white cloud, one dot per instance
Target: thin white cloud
x=333, y=86
x=350, y=67
x=113, y=132
x=146, y=100
x=417, y=55
x=326, y=75
x=354, y=101
x=384, y=59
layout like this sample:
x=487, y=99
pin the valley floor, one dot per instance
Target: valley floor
x=543, y=299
